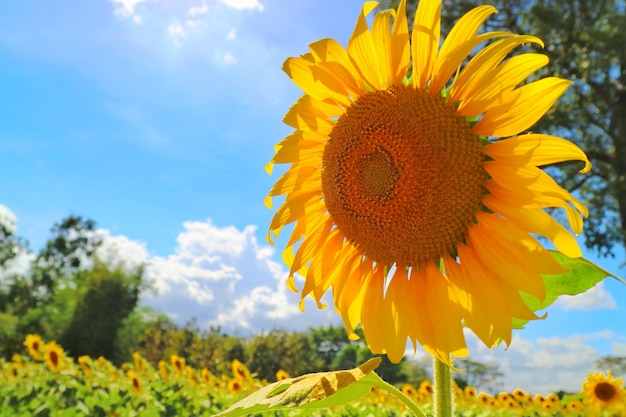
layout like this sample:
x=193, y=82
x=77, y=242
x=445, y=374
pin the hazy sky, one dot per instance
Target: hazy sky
x=155, y=118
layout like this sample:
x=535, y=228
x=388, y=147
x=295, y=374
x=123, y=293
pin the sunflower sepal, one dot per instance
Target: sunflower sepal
x=581, y=276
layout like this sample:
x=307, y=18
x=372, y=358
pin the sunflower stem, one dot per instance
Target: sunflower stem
x=443, y=389
x=402, y=397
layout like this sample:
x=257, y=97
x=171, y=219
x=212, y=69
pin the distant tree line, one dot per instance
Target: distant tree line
x=91, y=308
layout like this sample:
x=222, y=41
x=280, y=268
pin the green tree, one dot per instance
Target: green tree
x=110, y=297
x=615, y=364
x=477, y=374
x=293, y=352
x=585, y=43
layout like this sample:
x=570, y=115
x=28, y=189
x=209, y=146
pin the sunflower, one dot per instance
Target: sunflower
x=54, y=356
x=413, y=193
x=85, y=363
x=163, y=370
x=235, y=385
x=178, y=364
x=240, y=371
x=281, y=375
x=35, y=344
x=602, y=392
x=135, y=382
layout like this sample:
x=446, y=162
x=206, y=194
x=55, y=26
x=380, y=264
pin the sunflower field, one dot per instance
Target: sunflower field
x=46, y=382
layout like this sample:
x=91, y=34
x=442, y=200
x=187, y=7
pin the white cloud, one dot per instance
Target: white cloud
x=243, y=4
x=219, y=275
x=232, y=34
x=198, y=10
x=595, y=298
x=176, y=30
x=126, y=8
x=542, y=366
x=619, y=349
x=229, y=59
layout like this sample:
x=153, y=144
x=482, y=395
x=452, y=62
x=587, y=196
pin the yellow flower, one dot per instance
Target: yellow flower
x=235, y=386
x=414, y=196
x=85, y=363
x=281, y=375
x=178, y=364
x=54, y=356
x=469, y=392
x=163, y=371
x=409, y=390
x=602, y=392
x=138, y=360
x=135, y=382
x=240, y=371
x=34, y=343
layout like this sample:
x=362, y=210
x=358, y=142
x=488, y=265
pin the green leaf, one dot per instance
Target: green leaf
x=318, y=390
x=581, y=276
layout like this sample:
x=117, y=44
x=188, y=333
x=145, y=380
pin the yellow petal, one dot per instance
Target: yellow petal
x=425, y=41
x=362, y=50
x=535, y=220
x=537, y=149
x=521, y=108
x=494, y=85
x=295, y=207
x=400, y=53
x=312, y=115
x=492, y=242
x=479, y=71
x=382, y=43
x=480, y=295
x=334, y=59
x=463, y=31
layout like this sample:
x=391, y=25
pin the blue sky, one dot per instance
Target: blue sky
x=156, y=117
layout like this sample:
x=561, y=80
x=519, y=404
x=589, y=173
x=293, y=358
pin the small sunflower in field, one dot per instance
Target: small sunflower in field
x=602, y=392
x=135, y=382
x=178, y=364
x=85, y=363
x=240, y=371
x=192, y=375
x=575, y=407
x=163, y=370
x=484, y=399
x=54, y=356
x=281, y=375
x=139, y=362
x=235, y=386
x=35, y=345
x=413, y=191
x=469, y=393
x=409, y=390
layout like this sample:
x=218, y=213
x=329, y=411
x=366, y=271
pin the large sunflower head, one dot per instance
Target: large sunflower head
x=602, y=392
x=413, y=193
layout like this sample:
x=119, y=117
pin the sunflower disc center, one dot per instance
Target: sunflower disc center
x=605, y=391
x=402, y=176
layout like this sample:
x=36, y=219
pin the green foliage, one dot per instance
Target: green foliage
x=477, y=375
x=110, y=297
x=580, y=277
x=614, y=364
x=313, y=391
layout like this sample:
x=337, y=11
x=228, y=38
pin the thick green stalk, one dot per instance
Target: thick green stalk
x=443, y=389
